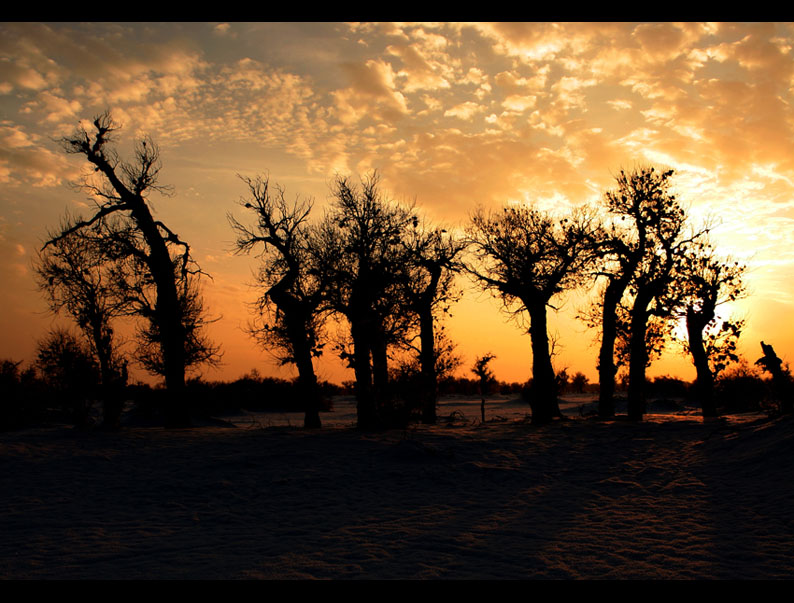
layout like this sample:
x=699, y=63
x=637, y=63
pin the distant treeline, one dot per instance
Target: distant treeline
x=30, y=398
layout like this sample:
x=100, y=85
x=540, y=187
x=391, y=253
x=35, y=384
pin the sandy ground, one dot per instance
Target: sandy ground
x=671, y=498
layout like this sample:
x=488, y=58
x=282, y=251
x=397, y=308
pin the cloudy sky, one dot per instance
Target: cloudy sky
x=452, y=115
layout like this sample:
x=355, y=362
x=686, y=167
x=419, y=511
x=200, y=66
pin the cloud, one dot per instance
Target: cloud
x=417, y=72
x=73, y=69
x=464, y=111
x=519, y=103
x=55, y=108
x=531, y=41
x=372, y=91
x=513, y=83
x=13, y=75
x=24, y=159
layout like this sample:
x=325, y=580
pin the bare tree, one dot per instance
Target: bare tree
x=360, y=252
x=76, y=278
x=292, y=309
x=159, y=259
x=432, y=262
x=527, y=258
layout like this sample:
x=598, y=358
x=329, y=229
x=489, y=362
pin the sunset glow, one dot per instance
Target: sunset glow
x=452, y=115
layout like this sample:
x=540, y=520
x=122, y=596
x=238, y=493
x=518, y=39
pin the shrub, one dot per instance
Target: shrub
x=70, y=373
x=742, y=389
x=668, y=387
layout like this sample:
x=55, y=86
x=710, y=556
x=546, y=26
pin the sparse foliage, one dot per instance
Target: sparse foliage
x=360, y=252
x=157, y=271
x=78, y=278
x=707, y=282
x=527, y=258
x=642, y=249
x=427, y=278
x=290, y=314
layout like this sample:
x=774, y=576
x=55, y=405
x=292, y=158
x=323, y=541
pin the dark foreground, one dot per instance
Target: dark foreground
x=670, y=498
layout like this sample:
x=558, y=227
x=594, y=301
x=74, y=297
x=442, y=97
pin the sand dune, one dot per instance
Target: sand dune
x=670, y=498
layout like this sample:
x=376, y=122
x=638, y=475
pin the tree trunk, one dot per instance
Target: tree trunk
x=544, y=389
x=109, y=386
x=168, y=315
x=704, y=383
x=429, y=391
x=606, y=357
x=365, y=399
x=638, y=361
x=380, y=376
x=308, y=389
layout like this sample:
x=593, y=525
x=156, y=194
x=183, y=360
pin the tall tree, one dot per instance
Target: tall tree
x=360, y=251
x=161, y=261
x=527, y=258
x=641, y=247
x=292, y=309
x=652, y=292
x=432, y=262
x=77, y=278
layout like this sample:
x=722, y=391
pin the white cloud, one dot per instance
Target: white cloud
x=464, y=111
x=519, y=103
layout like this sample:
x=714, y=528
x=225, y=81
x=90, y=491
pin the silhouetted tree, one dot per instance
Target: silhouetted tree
x=579, y=382
x=641, y=248
x=158, y=260
x=76, y=277
x=707, y=282
x=528, y=257
x=653, y=291
x=360, y=252
x=485, y=378
x=623, y=241
x=291, y=310
x=432, y=260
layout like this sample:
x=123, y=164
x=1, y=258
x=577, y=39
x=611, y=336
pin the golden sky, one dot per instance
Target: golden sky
x=452, y=115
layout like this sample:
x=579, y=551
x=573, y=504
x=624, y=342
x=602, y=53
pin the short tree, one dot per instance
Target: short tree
x=707, y=282
x=77, y=278
x=527, y=258
x=69, y=370
x=485, y=378
x=579, y=382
